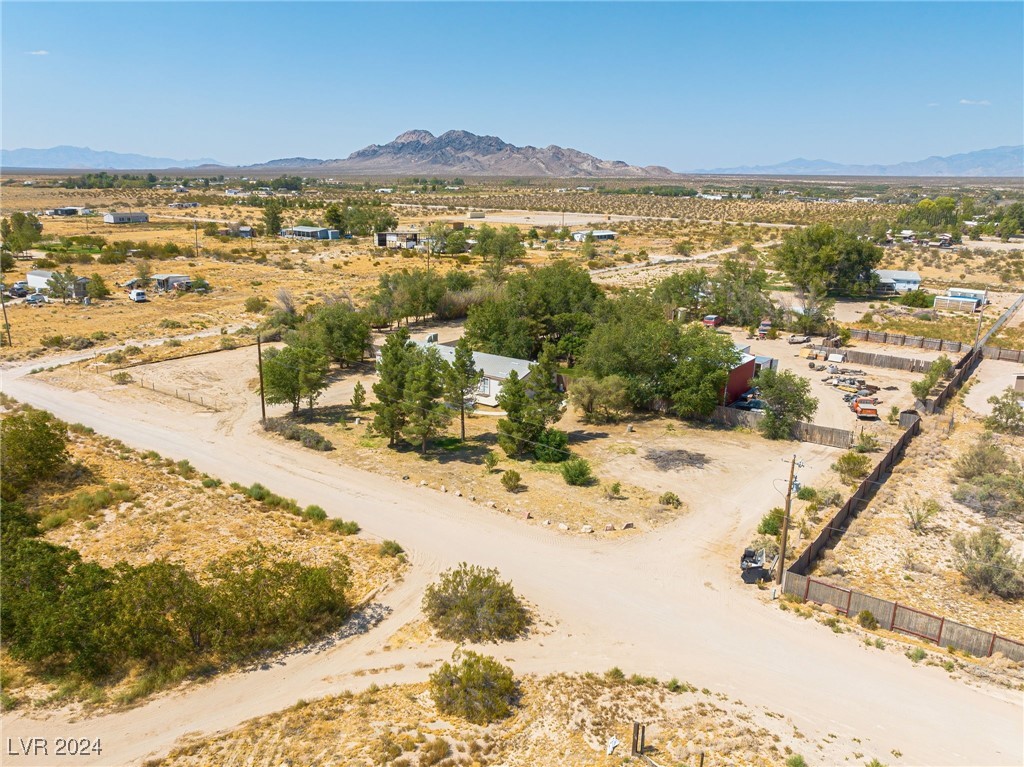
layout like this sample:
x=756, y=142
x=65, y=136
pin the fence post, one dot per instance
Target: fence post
x=849, y=599
x=807, y=587
x=992, y=644
x=892, y=620
x=942, y=623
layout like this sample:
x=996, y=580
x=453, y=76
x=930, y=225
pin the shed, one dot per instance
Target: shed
x=171, y=281
x=956, y=303
x=405, y=240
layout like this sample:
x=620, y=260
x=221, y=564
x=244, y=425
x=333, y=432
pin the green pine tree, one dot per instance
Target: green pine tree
x=390, y=416
x=426, y=415
x=461, y=381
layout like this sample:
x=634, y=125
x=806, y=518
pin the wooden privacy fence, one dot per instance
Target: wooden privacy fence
x=907, y=620
x=961, y=372
x=805, y=432
x=996, y=353
x=901, y=339
x=891, y=361
x=863, y=492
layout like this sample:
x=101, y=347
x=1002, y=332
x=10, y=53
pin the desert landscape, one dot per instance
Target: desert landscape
x=379, y=388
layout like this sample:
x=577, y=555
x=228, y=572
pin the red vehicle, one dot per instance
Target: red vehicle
x=712, y=320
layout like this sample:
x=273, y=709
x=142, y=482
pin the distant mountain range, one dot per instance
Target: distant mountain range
x=83, y=158
x=1001, y=161
x=461, y=153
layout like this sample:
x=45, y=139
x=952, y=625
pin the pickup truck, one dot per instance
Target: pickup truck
x=864, y=407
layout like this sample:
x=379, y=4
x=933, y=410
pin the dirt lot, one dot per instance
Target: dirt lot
x=991, y=379
x=659, y=455
x=882, y=555
x=564, y=720
x=832, y=410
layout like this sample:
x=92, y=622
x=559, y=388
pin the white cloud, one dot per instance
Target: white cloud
x=976, y=102
x=933, y=104
x=38, y=53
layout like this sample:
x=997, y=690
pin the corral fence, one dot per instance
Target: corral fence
x=184, y=395
x=1003, y=319
x=805, y=432
x=906, y=620
x=863, y=492
x=961, y=372
x=891, y=361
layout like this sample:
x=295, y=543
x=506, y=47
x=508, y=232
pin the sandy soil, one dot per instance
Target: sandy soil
x=883, y=556
x=991, y=379
x=670, y=602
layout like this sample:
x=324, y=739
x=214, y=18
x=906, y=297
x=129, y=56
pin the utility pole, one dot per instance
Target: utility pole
x=977, y=334
x=263, y=402
x=195, y=225
x=785, y=523
x=7, y=325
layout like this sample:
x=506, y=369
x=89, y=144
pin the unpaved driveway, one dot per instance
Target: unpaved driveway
x=668, y=604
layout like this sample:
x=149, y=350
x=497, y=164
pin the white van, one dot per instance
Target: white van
x=137, y=295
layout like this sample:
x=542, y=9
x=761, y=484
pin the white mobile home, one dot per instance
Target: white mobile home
x=898, y=280
x=594, y=234
x=126, y=218
x=171, y=281
x=39, y=282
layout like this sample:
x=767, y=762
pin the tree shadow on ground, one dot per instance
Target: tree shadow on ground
x=670, y=460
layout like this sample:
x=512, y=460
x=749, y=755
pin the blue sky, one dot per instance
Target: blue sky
x=687, y=85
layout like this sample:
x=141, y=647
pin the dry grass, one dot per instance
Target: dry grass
x=563, y=720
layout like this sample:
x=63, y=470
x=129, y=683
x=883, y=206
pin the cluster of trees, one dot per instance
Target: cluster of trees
x=360, y=217
x=737, y=291
x=416, y=293
x=417, y=391
x=555, y=304
x=823, y=259
x=104, y=180
x=332, y=333
x=941, y=213
x=659, y=362
x=19, y=232
x=66, y=616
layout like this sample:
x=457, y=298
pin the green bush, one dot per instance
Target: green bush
x=511, y=480
x=305, y=436
x=867, y=620
x=471, y=604
x=477, y=688
x=390, y=548
x=256, y=304
x=33, y=446
x=552, y=446
x=796, y=761
x=343, y=527
x=576, y=471
x=614, y=674
x=867, y=443
x=122, y=378
x=852, y=466
x=670, y=499
x=491, y=460
x=807, y=493
x=315, y=513
x=771, y=523
x=988, y=564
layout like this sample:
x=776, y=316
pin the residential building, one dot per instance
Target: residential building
x=126, y=218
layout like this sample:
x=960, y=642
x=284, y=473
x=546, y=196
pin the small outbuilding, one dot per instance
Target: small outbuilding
x=594, y=234
x=167, y=282
x=406, y=240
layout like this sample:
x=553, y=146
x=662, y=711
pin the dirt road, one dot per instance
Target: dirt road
x=666, y=604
